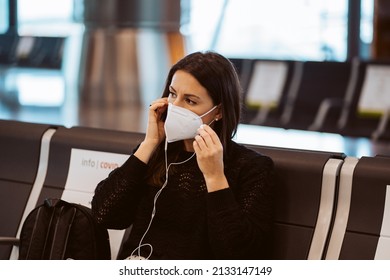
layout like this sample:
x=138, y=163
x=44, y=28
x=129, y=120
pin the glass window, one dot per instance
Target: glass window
x=4, y=17
x=366, y=27
x=45, y=17
x=299, y=29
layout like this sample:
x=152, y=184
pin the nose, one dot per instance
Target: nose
x=176, y=102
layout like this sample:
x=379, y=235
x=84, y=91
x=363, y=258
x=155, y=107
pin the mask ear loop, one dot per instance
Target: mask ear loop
x=214, y=120
x=140, y=245
x=208, y=111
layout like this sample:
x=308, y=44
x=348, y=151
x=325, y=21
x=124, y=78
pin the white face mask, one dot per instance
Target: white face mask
x=182, y=123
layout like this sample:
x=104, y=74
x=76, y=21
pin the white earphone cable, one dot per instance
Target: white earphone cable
x=140, y=245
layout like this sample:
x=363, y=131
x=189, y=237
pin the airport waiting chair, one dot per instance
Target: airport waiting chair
x=366, y=108
x=306, y=184
x=45, y=52
x=244, y=71
x=362, y=222
x=265, y=97
x=238, y=64
x=24, y=154
x=315, y=82
x=8, y=45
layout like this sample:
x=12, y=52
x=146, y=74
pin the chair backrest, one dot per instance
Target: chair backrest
x=318, y=81
x=367, y=100
x=244, y=67
x=23, y=148
x=306, y=184
x=362, y=221
x=265, y=97
x=40, y=52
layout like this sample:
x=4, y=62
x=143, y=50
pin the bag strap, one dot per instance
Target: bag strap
x=61, y=232
x=39, y=236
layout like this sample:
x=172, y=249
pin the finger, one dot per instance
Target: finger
x=205, y=136
x=201, y=143
x=156, y=105
x=208, y=134
x=210, y=131
x=196, y=147
x=156, y=109
x=213, y=135
x=160, y=100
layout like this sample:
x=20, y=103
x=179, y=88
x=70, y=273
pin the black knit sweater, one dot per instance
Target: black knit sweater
x=190, y=223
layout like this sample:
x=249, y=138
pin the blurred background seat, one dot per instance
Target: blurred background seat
x=366, y=107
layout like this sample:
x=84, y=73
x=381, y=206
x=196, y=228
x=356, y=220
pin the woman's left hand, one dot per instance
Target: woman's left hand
x=209, y=155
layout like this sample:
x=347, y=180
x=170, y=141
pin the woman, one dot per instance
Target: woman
x=189, y=191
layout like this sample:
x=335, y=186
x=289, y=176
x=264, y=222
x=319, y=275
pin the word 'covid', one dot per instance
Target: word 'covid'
x=98, y=164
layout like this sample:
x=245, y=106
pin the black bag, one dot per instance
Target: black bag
x=58, y=230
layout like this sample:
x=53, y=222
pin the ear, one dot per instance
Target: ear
x=218, y=115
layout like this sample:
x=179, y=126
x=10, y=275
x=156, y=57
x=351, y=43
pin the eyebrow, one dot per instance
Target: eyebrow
x=186, y=94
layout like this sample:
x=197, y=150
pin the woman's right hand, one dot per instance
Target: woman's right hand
x=155, y=129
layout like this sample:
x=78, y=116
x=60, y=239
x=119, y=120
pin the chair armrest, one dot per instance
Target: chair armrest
x=9, y=240
x=381, y=128
x=323, y=111
x=261, y=115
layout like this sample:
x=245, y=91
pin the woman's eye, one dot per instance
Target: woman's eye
x=172, y=95
x=189, y=101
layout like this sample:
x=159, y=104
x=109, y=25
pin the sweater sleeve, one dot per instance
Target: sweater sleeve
x=240, y=217
x=116, y=198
